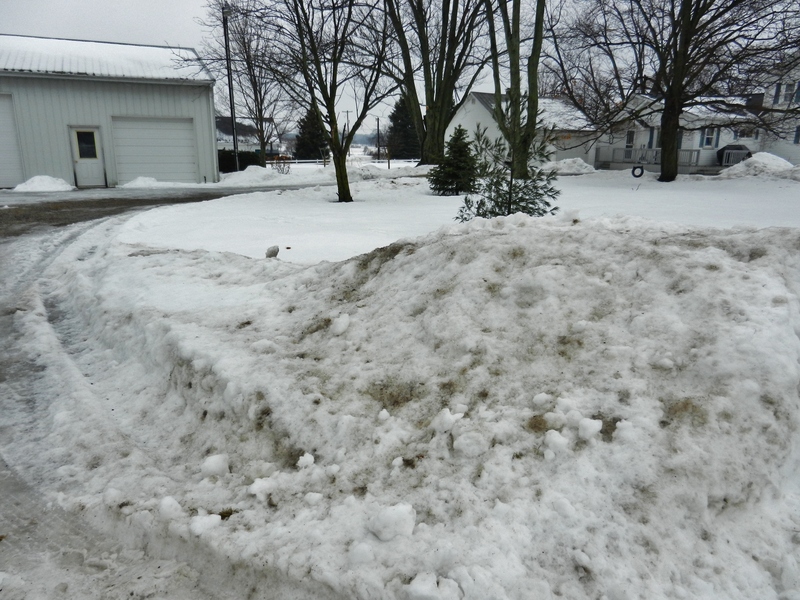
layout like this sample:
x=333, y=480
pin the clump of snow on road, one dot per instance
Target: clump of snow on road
x=511, y=408
x=760, y=164
x=44, y=183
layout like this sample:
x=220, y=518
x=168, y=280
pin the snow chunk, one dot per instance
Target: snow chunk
x=216, y=465
x=44, y=183
x=305, y=461
x=541, y=399
x=169, y=509
x=470, y=444
x=312, y=498
x=204, y=523
x=423, y=587
x=556, y=442
x=272, y=252
x=444, y=421
x=340, y=324
x=588, y=428
x=393, y=521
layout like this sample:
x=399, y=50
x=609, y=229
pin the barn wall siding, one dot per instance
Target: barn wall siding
x=46, y=108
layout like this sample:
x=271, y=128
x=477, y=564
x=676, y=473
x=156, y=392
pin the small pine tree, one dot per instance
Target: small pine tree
x=459, y=169
x=402, y=140
x=498, y=193
x=310, y=143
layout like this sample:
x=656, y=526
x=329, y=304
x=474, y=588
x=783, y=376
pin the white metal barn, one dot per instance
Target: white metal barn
x=101, y=114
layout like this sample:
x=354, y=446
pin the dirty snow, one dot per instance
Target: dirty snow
x=596, y=405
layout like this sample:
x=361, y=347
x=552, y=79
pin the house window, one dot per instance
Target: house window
x=797, y=135
x=788, y=93
x=797, y=93
x=777, y=97
x=87, y=148
x=707, y=137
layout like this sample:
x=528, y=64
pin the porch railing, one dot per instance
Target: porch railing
x=734, y=157
x=644, y=156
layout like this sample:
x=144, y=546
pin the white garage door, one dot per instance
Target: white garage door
x=161, y=148
x=10, y=161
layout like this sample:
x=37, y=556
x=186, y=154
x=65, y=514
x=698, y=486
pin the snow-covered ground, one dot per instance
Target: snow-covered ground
x=599, y=405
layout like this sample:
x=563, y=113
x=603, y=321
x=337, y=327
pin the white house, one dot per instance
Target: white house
x=100, y=114
x=573, y=132
x=785, y=95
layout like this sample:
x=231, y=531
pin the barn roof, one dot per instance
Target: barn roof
x=24, y=55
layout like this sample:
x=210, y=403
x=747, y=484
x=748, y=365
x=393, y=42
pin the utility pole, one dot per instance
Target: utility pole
x=378, y=119
x=226, y=12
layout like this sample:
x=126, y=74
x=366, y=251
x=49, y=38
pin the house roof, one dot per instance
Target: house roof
x=556, y=112
x=24, y=55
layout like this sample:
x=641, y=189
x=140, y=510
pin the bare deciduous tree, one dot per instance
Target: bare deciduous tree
x=257, y=94
x=441, y=50
x=516, y=51
x=680, y=53
x=331, y=56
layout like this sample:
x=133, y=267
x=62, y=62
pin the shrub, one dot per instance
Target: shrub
x=458, y=171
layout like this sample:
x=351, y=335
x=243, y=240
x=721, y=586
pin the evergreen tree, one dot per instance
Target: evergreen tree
x=501, y=192
x=459, y=169
x=402, y=141
x=310, y=142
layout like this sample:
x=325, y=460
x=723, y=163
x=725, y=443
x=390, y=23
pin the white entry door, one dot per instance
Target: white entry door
x=87, y=157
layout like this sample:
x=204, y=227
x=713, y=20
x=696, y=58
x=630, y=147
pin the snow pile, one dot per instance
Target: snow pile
x=760, y=164
x=152, y=182
x=514, y=408
x=569, y=166
x=44, y=183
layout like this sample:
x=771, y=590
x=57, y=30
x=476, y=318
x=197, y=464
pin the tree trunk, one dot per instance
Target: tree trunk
x=432, y=148
x=342, y=183
x=670, y=125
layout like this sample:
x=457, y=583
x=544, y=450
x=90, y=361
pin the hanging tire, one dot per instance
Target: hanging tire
x=637, y=171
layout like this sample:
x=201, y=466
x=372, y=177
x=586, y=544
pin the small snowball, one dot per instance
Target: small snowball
x=665, y=363
x=588, y=428
x=398, y=462
x=393, y=521
x=272, y=251
x=549, y=454
x=169, y=509
x=312, y=498
x=444, y=421
x=305, y=461
x=261, y=488
x=384, y=415
x=203, y=523
x=556, y=442
x=216, y=465
x=470, y=444
x=332, y=470
x=340, y=324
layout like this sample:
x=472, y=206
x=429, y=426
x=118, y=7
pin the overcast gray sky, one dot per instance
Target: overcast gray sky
x=158, y=22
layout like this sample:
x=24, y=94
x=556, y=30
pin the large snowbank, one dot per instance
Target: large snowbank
x=512, y=408
x=760, y=164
